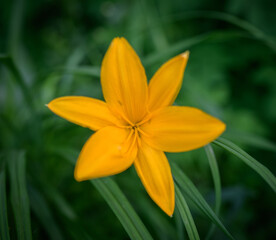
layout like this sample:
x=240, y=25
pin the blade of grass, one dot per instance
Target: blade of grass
x=243, y=24
x=161, y=225
x=251, y=140
x=216, y=178
x=44, y=214
x=179, y=225
x=16, y=25
x=152, y=19
x=60, y=202
x=122, y=208
x=175, y=48
x=11, y=66
x=247, y=159
x=15, y=44
x=116, y=200
x=4, y=226
x=186, y=215
x=66, y=81
x=194, y=195
x=135, y=24
x=93, y=71
x=215, y=174
x=19, y=195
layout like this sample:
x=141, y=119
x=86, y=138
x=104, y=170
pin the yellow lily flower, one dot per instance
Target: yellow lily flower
x=136, y=123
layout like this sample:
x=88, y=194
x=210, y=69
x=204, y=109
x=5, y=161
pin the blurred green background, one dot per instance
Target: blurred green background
x=54, y=48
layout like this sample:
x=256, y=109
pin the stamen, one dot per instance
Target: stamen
x=142, y=132
x=134, y=141
x=144, y=120
x=122, y=126
x=122, y=115
x=126, y=119
x=138, y=138
x=129, y=135
x=126, y=144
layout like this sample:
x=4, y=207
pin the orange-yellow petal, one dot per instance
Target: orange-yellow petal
x=124, y=81
x=105, y=153
x=155, y=173
x=179, y=129
x=84, y=111
x=166, y=83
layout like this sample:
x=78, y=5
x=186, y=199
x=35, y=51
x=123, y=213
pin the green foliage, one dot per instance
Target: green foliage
x=4, y=226
x=121, y=207
x=195, y=196
x=54, y=48
x=186, y=215
x=19, y=195
x=250, y=161
x=217, y=183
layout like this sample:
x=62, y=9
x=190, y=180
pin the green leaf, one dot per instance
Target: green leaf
x=194, y=195
x=215, y=173
x=176, y=48
x=250, y=28
x=251, y=140
x=4, y=226
x=122, y=208
x=44, y=214
x=9, y=63
x=250, y=161
x=15, y=28
x=115, y=199
x=154, y=25
x=66, y=81
x=19, y=195
x=185, y=44
x=93, y=71
x=186, y=215
x=216, y=178
x=59, y=201
x=179, y=225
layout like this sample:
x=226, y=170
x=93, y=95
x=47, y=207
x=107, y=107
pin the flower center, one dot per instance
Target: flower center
x=135, y=132
x=133, y=140
x=134, y=137
x=135, y=127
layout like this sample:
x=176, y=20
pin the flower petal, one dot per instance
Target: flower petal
x=178, y=129
x=124, y=81
x=104, y=154
x=155, y=173
x=84, y=111
x=166, y=82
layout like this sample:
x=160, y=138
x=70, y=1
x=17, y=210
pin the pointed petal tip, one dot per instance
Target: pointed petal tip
x=78, y=180
x=169, y=212
x=118, y=39
x=221, y=127
x=77, y=176
x=49, y=105
x=78, y=173
x=123, y=41
x=186, y=54
x=115, y=40
x=46, y=105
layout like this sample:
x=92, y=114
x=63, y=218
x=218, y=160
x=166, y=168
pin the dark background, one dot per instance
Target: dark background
x=57, y=48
